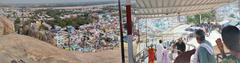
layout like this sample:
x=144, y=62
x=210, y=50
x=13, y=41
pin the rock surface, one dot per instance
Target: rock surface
x=30, y=50
x=14, y=47
x=6, y=26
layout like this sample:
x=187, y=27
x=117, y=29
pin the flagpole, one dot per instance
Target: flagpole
x=121, y=31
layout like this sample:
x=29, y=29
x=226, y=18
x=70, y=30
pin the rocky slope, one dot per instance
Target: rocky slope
x=6, y=26
x=14, y=47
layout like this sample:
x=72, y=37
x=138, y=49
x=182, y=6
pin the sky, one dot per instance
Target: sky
x=49, y=1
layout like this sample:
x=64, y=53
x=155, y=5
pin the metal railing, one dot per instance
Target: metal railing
x=220, y=57
x=141, y=56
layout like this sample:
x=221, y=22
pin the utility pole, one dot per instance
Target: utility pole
x=121, y=31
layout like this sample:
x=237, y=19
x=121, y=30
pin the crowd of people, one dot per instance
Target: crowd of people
x=204, y=53
x=206, y=27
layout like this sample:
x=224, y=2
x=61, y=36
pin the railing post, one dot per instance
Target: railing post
x=121, y=31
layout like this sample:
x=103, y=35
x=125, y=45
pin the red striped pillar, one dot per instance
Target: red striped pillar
x=129, y=31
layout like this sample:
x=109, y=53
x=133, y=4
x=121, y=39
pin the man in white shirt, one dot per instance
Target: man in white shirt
x=159, y=51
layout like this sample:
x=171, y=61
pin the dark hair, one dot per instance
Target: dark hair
x=160, y=41
x=201, y=34
x=230, y=36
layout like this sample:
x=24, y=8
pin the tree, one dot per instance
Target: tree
x=17, y=21
x=232, y=16
x=68, y=22
x=195, y=19
x=86, y=18
x=16, y=24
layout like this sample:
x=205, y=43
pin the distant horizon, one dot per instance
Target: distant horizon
x=56, y=3
x=50, y=1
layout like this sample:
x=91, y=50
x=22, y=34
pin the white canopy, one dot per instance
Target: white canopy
x=158, y=8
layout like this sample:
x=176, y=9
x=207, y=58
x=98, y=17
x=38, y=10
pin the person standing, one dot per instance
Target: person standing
x=165, y=56
x=181, y=46
x=151, y=54
x=205, y=52
x=159, y=51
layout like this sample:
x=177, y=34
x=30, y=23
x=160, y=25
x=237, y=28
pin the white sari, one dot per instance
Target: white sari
x=159, y=53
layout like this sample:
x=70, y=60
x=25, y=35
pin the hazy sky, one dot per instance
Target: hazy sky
x=49, y=1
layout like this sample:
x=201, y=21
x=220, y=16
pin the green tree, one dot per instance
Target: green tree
x=68, y=22
x=192, y=19
x=79, y=20
x=195, y=19
x=17, y=21
x=232, y=16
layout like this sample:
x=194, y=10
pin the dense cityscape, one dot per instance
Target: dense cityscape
x=91, y=32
